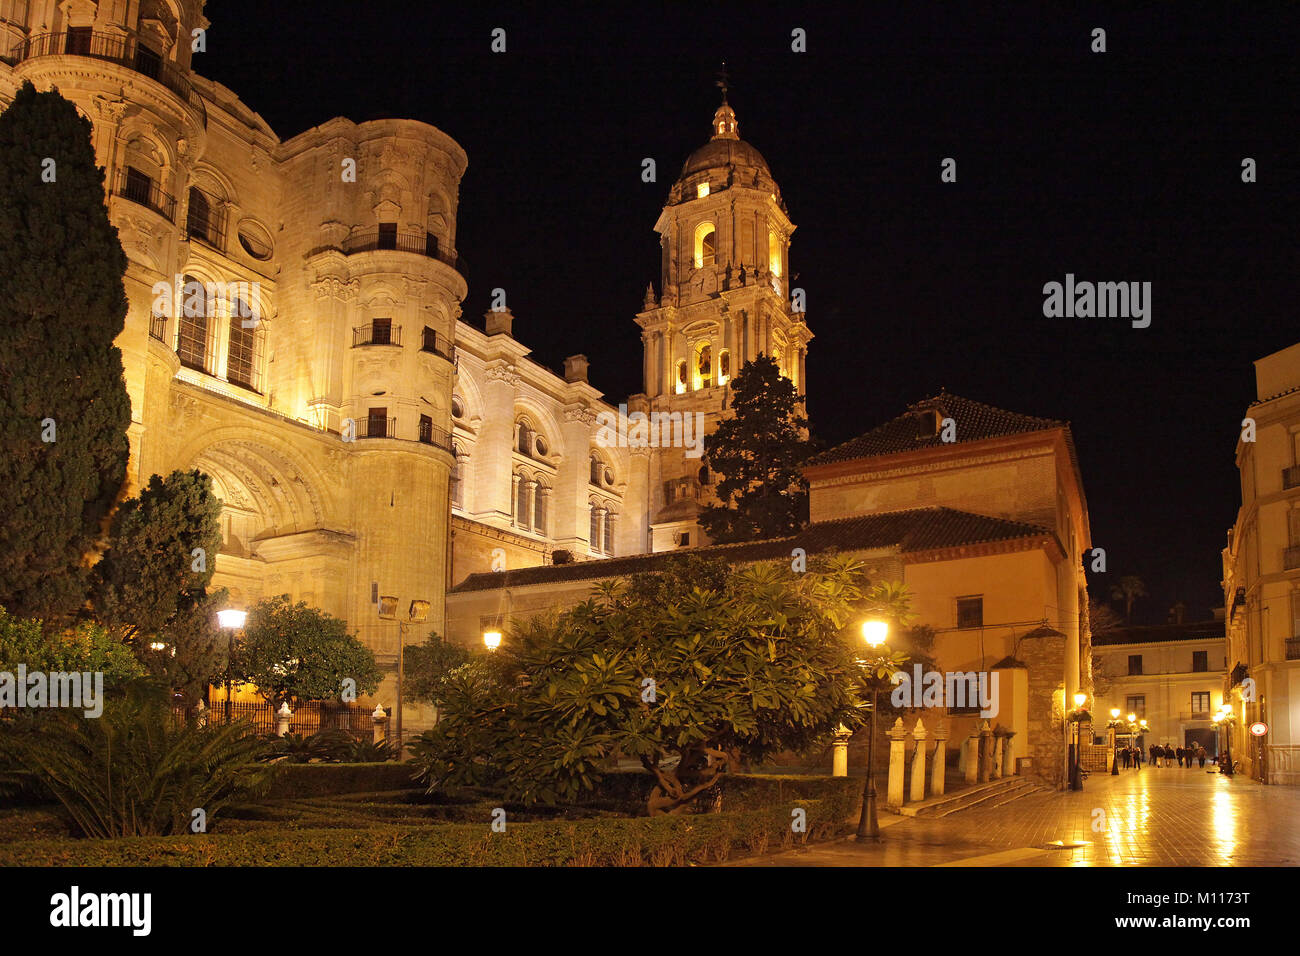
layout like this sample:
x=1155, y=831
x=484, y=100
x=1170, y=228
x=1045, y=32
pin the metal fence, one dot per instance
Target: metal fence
x=308, y=719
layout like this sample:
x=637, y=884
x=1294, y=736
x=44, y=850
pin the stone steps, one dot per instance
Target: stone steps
x=992, y=794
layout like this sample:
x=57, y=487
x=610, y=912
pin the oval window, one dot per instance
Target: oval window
x=255, y=241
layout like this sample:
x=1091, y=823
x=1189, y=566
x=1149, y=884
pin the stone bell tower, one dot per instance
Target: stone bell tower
x=726, y=299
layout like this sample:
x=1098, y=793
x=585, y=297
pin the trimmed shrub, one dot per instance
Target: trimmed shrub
x=302, y=781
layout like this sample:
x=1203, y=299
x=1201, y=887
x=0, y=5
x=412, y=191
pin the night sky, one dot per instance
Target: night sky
x=1122, y=166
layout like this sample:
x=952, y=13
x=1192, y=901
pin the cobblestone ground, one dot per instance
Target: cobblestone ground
x=1166, y=816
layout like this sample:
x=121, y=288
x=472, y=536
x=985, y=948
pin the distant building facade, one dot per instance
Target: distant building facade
x=1261, y=576
x=1171, y=675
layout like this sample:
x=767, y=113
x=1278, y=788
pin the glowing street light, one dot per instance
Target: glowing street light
x=491, y=640
x=232, y=619
x=417, y=612
x=875, y=633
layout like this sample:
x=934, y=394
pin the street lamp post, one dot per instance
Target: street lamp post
x=1223, y=720
x=418, y=611
x=230, y=620
x=874, y=633
x=1114, y=726
x=1076, y=740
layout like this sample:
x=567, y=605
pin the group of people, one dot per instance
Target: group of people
x=1133, y=756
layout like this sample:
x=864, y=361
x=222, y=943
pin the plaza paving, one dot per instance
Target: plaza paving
x=1167, y=816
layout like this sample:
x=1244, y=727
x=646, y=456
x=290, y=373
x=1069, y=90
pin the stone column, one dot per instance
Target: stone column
x=985, y=752
x=516, y=519
x=995, y=768
x=940, y=760
x=972, y=765
x=897, y=754
x=840, y=752
x=380, y=718
x=918, y=762
x=530, y=498
x=1008, y=757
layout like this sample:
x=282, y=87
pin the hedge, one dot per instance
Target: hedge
x=302, y=780
x=628, y=789
x=657, y=841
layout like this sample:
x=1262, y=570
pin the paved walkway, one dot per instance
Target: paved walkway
x=1166, y=816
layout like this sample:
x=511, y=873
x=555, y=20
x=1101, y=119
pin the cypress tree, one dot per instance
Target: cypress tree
x=64, y=408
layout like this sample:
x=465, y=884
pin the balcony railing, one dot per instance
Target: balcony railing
x=434, y=342
x=375, y=428
x=1291, y=558
x=1293, y=648
x=376, y=334
x=115, y=48
x=144, y=191
x=208, y=225
x=431, y=434
x=1291, y=477
x=368, y=240
x=158, y=327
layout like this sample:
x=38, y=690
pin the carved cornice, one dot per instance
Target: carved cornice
x=580, y=414
x=336, y=287
x=503, y=372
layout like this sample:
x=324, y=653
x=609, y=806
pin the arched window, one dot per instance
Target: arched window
x=243, y=357
x=525, y=439
x=521, y=502
x=704, y=365
x=597, y=467
x=724, y=367
x=594, y=533
x=774, y=253
x=705, y=245
x=680, y=385
x=539, y=509
x=608, y=546
x=192, y=326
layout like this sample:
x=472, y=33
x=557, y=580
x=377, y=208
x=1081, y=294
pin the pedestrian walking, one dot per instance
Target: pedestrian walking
x=1169, y=755
x=1201, y=755
x=1125, y=756
x=1179, y=753
x=1155, y=755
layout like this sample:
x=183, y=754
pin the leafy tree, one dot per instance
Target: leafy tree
x=428, y=666
x=194, y=651
x=162, y=554
x=1101, y=617
x=293, y=652
x=1129, y=589
x=757, y=452
x=60, y=373
x=691, y=681
x=85, y=647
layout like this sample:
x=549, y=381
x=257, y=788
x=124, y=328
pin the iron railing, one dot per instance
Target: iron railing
x=435, y=342
x=208, y=225
x=376, y=334
x=368, y=240
x=375, y=428
x=309, y=718
x=158, y=327
x=1291, y=477
x=431, y=434
x=125, y=50
x=1293, y=648
x=144, y=191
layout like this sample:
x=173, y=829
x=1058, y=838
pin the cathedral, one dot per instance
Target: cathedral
x=295, y=331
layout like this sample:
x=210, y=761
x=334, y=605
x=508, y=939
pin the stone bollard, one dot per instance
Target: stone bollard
x=995, y=769
x=940, y=760
x=1008, y=756
x=918, y=763
x=972, y=748
x=897, y=753
x=282, y=718
x=840, y=752
x=985, y=752
x=380, y=718
x=201, y=714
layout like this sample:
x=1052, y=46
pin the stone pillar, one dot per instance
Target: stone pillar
x=918, y=762
x=985, y=752
x=282, y=718
x=380, y=718
x=940, y=760
x=840, y=752
x=1008, y=757
x=972, y=756
x=995, y=769
x=201, y=714
x=897, y=754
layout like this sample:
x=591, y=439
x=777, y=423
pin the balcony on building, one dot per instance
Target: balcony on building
x=1293, y=648
x=143, y=190
x=124, y=49
x=205, y=221
x=375, y=427
x=1291, y=477
x=386, y=236
x=434, y=342
x=378, y=332
x=158, y=327
x=431, y=434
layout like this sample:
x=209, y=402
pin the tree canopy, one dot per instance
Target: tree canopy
x=64, y=408
x=757, y=454
x=690, y=680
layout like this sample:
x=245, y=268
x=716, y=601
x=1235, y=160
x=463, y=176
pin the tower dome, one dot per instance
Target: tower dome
x=725, y=160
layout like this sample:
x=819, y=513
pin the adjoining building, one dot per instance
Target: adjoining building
x=1171, y=675
x=1261, y=577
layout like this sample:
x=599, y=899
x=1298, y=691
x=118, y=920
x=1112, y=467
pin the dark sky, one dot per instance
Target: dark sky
x=1122, y=166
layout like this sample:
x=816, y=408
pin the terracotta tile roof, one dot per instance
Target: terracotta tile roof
x=922, y=529
x=975, y=421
